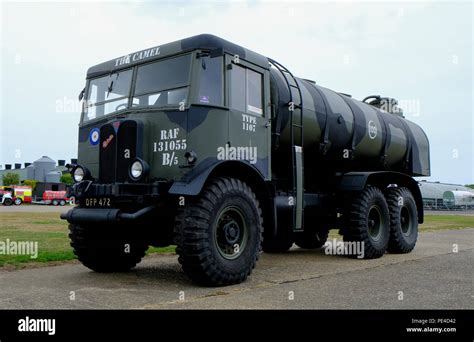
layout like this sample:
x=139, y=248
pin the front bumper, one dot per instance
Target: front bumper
x=136, y=192
x=93, y=215
x=128, y=201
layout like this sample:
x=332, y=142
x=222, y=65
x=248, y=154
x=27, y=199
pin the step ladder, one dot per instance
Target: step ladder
x=295, y=106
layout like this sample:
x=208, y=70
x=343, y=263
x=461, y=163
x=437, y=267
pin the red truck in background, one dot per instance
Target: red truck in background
x=54, y=198
x=18, y=194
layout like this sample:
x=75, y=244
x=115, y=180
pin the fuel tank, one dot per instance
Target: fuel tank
x=344, y=133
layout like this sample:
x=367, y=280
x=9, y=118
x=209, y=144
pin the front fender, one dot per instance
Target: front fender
x=195, y=180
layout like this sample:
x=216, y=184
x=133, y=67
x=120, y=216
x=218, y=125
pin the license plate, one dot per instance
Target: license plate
x=98, y=202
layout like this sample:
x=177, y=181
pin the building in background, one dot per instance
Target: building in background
x=434, y=192
x=45, y=171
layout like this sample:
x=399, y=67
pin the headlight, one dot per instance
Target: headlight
x=136, y=170
x=78, y=174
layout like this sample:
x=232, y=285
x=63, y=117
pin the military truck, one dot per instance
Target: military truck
x=223, y=152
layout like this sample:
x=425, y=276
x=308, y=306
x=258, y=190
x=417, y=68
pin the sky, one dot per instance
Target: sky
x=420, y=53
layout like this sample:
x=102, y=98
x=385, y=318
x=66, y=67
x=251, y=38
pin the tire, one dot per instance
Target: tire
x=403, y=220
x=218, y=235
x=105, y=249
x=8, y=201
x=369, y=222
x=62, y=203
x=18, y=201
x=55, y=202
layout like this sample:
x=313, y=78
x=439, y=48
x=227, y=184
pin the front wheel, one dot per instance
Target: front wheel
x=7, y=201
x=218, y=235
x=105, y=248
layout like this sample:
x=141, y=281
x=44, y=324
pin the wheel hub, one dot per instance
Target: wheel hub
x=375, y=223
x=406, y=221
x=231, y=232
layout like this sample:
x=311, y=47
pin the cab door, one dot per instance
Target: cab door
x=248, y=100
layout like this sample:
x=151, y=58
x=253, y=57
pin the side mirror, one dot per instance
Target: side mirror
x=81, y=94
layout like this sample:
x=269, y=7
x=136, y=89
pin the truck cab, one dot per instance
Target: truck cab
x=160, y=117
x=161, y=124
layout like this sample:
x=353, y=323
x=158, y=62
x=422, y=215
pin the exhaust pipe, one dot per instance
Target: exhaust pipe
x=135, y=216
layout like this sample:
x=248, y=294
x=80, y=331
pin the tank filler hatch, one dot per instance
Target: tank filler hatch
x=387, y=104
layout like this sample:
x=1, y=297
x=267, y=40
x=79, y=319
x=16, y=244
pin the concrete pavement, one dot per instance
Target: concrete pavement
x=431, y=277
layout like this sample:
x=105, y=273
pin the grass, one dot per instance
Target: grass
x=434, y=223
x=443, y=222
x=51, y=233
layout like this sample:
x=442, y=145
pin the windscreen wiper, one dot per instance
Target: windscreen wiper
x=111, y=85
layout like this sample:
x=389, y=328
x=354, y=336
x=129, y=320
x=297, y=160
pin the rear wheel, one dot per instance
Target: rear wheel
x=218, y=235
x=62, y=203
x=18, y=201
x=403, y=220
x=368, y=222
x=55, y=202
x=106, y=249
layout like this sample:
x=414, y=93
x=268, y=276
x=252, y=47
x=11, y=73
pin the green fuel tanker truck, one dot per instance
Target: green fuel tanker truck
x=221, y=151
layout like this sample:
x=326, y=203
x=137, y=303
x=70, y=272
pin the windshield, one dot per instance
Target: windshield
x=108, y=94
x=163, y=83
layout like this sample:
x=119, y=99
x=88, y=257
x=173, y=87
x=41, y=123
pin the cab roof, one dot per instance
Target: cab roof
x=202, y=41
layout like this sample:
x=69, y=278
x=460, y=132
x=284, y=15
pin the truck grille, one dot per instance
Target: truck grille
x=118, y=148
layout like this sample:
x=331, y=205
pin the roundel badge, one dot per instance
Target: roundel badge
x=94, y=136
x=372, y=130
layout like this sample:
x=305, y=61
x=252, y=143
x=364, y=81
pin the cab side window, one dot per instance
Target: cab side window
x=211, y=84
x=254, y=92
x=246, y=90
